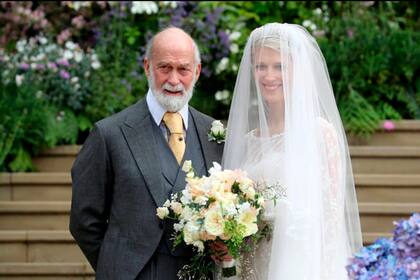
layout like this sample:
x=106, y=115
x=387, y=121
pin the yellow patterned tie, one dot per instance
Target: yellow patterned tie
x=173, y=122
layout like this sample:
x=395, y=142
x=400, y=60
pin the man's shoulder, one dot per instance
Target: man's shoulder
x=201, y=116
x=115, y=120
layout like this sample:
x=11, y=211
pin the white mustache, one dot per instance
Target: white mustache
x=178, y=87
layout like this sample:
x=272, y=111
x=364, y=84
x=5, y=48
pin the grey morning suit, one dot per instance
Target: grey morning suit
x=124, y=171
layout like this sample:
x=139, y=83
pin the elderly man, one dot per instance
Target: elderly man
x=131, y=163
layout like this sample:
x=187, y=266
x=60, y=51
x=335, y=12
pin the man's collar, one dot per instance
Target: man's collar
x=158, y=111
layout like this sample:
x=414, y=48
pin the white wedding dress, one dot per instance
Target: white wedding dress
x=265, y=163
x=283, y=82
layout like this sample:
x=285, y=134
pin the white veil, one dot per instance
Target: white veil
x=284, y=127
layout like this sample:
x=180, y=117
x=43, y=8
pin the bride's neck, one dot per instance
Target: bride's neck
x=276, y=121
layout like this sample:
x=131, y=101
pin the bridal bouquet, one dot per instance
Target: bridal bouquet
x=218, y=213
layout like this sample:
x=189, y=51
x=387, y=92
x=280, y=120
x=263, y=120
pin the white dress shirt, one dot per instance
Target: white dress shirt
x=158, y=112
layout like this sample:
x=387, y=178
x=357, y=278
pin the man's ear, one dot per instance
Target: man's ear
x=197, y=71
x=146, y=65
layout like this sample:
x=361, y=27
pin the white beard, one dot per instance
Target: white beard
x=171, y=103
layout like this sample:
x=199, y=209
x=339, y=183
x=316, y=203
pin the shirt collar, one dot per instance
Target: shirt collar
x=158, y=111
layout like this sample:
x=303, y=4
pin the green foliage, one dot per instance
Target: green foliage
x=371, y=49
x=372, y=61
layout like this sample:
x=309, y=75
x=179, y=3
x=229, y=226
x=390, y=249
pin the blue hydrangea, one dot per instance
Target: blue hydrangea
x=390, y=258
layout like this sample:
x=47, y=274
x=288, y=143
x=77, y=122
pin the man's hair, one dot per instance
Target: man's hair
x=149, y=47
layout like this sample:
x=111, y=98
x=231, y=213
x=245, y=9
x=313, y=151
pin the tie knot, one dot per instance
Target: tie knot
x=173, y=122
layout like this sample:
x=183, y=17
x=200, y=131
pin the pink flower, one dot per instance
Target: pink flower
x=64, y=74
x=63, y=62
x=350, y=33
x=63, y=36
x=388, y=125
x=78, y=21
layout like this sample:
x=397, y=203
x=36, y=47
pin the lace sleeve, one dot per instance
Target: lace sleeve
x=333, y=199
x=333, y=157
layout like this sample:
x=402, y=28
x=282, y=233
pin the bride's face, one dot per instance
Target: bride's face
x=268, y=72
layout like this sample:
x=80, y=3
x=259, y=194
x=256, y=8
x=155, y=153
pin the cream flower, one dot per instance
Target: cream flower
x=162, y=212
x=176, y=207
x=213, y=222
x=249, y=220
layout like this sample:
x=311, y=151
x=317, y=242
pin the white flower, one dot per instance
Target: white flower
x=235, y=67
x=234, y=48
x=250, y=193
x=234, y=36
x=43, y=40
x=162, y=212
x=95, y=64
x=176, y=207
x=20, y=45
x=215, y=169
x=318, y=11
x=68, y=54
x=39, y=94
x=213, y=222
x=217, y=127
x=70, y=45
x=186, y=167
x=74, y=80
x=172, y=4
x=222, y=65
x=78, y=56
x=167, y=203
x=191, y=233
x=140, y=7
x=19, y=80
x=199, y=244
x=178, y=226
x=222, y=95
x=307, y=23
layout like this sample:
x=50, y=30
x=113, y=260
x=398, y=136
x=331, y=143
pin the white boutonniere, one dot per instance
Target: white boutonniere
x=217, y=132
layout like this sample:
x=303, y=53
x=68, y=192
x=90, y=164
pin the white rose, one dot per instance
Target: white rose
x=186, y=167
x=176, y=207
x=217, y=127
x=162, y=212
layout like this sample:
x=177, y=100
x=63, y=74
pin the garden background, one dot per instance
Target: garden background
x=64, y=65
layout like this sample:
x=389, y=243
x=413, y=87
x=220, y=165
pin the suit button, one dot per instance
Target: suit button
x=161, y=224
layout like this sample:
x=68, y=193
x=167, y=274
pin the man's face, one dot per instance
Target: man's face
x=172, y=73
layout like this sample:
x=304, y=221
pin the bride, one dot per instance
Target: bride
x=284, y=129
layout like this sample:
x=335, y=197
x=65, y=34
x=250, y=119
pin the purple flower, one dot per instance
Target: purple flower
x=350, y=33
x=64, y=74
x=396, y=258
x=52, y=65
x=24, y=66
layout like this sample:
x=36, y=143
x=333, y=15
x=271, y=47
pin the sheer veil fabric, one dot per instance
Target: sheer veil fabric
x=284, y=128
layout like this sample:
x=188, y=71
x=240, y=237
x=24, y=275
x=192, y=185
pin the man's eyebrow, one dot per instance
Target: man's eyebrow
x=185, y=64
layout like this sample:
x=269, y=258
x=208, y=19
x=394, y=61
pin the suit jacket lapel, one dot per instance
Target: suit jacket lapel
x=138, y=133
x=210, y=148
